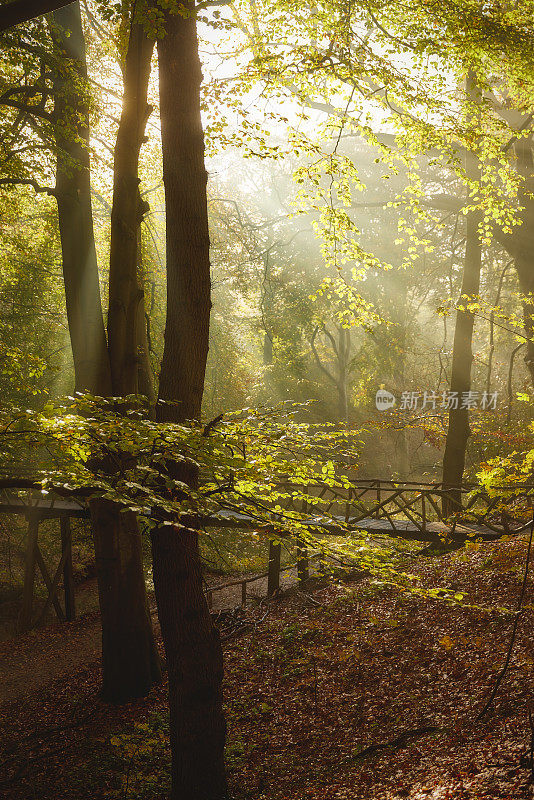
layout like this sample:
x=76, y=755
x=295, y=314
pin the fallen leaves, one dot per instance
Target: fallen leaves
x=343, y=699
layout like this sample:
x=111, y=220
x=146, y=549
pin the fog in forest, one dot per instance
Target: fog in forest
x=266, y=400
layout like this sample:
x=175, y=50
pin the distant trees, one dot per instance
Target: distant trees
x=340, y=345
x=342, y=52
x=327, y=63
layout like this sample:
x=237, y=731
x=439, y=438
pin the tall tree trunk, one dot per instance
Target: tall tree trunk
x=194, y=662
x=130, y=661
x=125, y=293
x=462, y=354
x=129, y=657
x=462, y=357
x=192, y=644
x=145, y=377
x=523, y=245
x=343, y=355
x=185, y=178
x=73, y=187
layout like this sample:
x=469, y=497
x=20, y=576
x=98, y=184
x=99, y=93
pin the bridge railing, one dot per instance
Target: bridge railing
x=421, y=504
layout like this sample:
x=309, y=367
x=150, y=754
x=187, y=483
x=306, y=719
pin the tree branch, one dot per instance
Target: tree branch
x=318, y=360
x=37, y=111
x=23, y=10
x=29, y=182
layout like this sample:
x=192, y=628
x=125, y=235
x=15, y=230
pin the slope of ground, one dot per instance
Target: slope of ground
x=30, y=662
x=351, y=691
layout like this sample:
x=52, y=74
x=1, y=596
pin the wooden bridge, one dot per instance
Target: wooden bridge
x=402, y=509
x=37, y=507
x=408, y=510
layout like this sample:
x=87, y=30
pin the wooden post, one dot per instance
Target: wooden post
x=423, y=509
x=303, y=564
x=52, y=591
x=302, y=554
x=25, y=618
x=68, y=576
x=273, y=578
x=49, y=583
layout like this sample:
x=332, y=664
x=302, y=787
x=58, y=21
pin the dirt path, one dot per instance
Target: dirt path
x=29, y=662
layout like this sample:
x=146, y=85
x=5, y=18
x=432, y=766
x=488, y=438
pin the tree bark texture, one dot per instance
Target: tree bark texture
x=459, y=431
x=126, y=300
x=195, y=668
x=130, y=661
x=184, y=174
x=192, y=643
x=129, y=658
x=73, y=189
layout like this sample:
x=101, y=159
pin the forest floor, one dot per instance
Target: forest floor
x=353, y=691
x=29, y=662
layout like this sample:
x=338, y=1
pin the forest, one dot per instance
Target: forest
x=266, y=399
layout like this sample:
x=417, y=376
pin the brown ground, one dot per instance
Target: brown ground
x=330, y=695
x=30, y=662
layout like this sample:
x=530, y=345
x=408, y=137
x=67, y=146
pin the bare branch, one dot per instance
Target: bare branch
x=29, y=182
x=317, y=359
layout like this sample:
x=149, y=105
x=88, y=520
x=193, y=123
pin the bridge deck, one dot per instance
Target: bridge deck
x=403, y=528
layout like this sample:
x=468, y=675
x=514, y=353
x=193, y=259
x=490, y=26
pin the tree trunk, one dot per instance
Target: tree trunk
x=194, y=662
x=130, y=661
x=192, y=643
x=523, y=244
x=343, y=369
x=129, y=657
x=462, y=354
x=125, y=293
x=73, y=187
x=267, y=349
x=185, y=178
x=459, y=431
x=145, y=377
